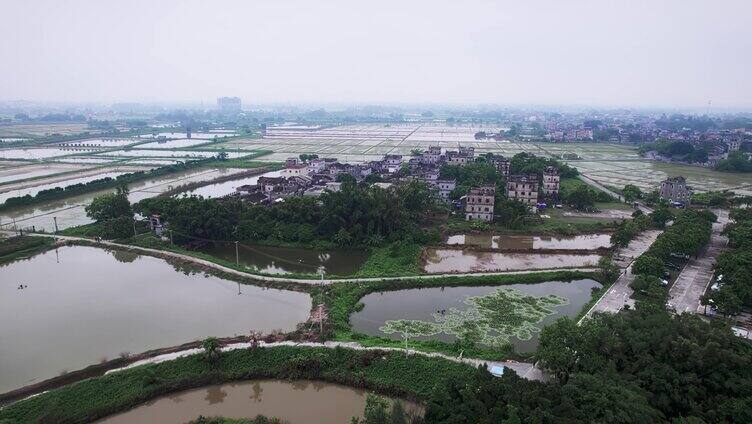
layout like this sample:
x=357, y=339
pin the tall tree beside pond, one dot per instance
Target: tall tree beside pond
x=110, y=206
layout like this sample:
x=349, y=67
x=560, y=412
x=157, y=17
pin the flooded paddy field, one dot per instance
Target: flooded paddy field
x=293, y=402
x=438, y=260
x=509, y=242
x=70, y=211
x=99, y=142
x=93, y=160
x=173, y=144
x=74, y=179
x=286, y=260
x=156, y=162
x=38, y=152
x=101, y=304
x=357, y=143
x=36, y=130
x=492, y=315
x=22, y=171
x=185, y=154
x=200, y=135
x=648, y=175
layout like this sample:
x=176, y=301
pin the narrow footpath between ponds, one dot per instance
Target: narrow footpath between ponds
x=222, y=268
x=523, y=369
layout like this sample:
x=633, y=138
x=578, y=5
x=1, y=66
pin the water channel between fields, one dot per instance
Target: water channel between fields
x=426, y=305
x=82, y=305
x=294, y=402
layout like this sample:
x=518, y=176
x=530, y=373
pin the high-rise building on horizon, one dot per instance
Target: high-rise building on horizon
x=229, y=104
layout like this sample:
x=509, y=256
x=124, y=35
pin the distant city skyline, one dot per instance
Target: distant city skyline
x=637, y=54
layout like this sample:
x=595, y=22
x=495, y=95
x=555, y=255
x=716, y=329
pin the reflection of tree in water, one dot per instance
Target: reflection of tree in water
x=318, y=385
x=184, y=268
x=215, y=394
x=175, y=399
x=257, y=391
x=124, y=256
x=300, y=384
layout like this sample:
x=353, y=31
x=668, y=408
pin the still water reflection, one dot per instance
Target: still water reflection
x=81, y=305
x=421, y=304
x=285, y=260
x=296, y=402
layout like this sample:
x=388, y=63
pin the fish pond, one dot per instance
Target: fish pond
x=287, y=260
x=75, y=306
x=490, y=315
x=507, y=242
x=439, y=260
x=293, y=402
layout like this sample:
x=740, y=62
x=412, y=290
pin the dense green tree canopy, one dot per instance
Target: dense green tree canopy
x=355, y=215
x=110, y=206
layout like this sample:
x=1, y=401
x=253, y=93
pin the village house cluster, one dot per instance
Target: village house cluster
x=478, y=204
x=314, y=176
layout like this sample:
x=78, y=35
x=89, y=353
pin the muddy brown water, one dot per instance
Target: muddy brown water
x=509, y=242
x=82, y=305
x=286, y=260
x=454, y=260
x=294, y=402
x=421, y=304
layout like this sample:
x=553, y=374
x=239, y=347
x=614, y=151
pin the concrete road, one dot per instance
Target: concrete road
x=684, y=295
x=619, y=294
x=601, y=187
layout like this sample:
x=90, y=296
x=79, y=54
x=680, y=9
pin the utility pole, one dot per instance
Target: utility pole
x=170, y=236
x=237, y=257
x=134, y=228
x=54, y=218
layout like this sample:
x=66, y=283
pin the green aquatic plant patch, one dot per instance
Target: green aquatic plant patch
x=491, y=319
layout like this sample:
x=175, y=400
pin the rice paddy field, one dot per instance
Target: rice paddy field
x=611, y=164
x=24, y=131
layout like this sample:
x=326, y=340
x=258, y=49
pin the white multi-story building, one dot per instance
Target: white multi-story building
x=523, y=188
x=479, y=203
x=551, y=180
x=445, y=187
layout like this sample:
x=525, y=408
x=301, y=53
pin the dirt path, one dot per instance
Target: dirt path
x=322, y=281
x=523, y=369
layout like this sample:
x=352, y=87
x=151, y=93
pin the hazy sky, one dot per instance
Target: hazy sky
x=598, y=52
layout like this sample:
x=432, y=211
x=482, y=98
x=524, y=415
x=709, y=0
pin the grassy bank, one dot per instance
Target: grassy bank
x=389, y=373
x=22, y=247
x=343, y=299
x=392, y=261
